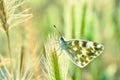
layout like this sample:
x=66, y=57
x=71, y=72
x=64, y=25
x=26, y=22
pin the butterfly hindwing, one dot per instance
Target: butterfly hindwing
x=81, y=52
x=84, y=51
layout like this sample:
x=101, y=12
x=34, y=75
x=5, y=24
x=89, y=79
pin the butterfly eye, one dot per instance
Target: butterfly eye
x=62, y=39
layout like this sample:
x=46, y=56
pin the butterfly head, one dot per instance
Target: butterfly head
x=62, y=38
x=63, y=43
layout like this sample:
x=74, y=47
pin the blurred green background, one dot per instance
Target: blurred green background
x=94, y=20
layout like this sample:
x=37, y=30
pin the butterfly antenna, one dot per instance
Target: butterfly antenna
x=57, y=30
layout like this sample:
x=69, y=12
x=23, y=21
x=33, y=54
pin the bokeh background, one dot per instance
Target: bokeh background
x=92, y=20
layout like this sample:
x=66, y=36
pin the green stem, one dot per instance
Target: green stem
x=9, y=48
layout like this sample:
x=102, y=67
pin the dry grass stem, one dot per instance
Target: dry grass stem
x=31, y=38
x=5, y=26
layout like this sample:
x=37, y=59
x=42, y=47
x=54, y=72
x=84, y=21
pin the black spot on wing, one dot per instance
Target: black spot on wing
x=90, y=57
x=85, y=58
x=76, y=42
x=89, y=49
x=91, y=52
x=78, y=51
x=76, y=45
x=82, y=59
x=95, y=44
x=84, y=43
x=96, y=47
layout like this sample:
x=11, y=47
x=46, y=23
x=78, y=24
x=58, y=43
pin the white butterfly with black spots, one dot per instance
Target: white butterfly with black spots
x=81, y=52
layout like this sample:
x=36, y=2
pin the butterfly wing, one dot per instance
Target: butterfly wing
x=83, y=52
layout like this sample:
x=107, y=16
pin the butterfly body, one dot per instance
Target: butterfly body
x=64, y=46
x=81, y=51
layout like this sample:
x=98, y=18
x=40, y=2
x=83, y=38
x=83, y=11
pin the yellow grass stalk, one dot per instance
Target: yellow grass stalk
x=31, y=40
x=5, y=26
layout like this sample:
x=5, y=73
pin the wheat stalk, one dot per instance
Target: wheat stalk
x=6, y=27
x=7, y=16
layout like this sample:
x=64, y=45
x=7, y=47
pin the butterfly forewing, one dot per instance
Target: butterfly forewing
x=83, y=51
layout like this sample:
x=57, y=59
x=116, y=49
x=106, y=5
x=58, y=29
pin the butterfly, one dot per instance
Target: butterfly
x=81, y=52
